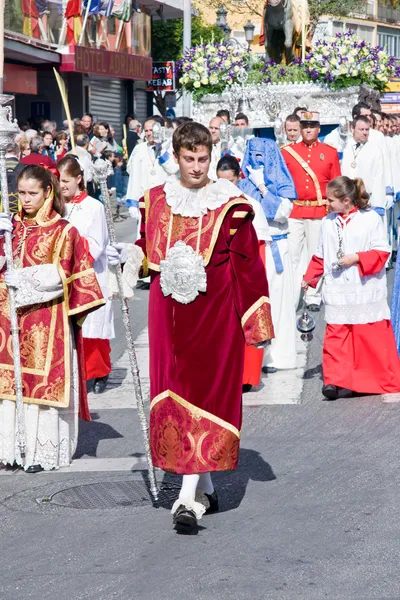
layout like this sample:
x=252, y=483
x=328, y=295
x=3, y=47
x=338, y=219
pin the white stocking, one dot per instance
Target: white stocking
x=205, y=483
x=187, y=496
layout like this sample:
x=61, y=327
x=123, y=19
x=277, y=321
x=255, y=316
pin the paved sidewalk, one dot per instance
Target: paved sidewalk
x=283, y=387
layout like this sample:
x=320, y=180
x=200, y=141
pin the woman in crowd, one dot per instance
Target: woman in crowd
x=87, y=215
x=102, y=139
x=61, y=140
x=55, y=288
x=48, y=145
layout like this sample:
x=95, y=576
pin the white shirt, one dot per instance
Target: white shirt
x=146, y=170
x=367, y=162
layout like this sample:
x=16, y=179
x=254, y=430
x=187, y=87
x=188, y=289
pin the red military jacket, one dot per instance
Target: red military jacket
x=324, y=162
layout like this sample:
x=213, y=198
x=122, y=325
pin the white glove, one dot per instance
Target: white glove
x=256, y=176
x=134, y=212
x=11, y=278
x=5, y=223
x=117, y=254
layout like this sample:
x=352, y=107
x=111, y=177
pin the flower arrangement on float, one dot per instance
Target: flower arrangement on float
x=339, y=62
x=344, y=60
x=210, y=68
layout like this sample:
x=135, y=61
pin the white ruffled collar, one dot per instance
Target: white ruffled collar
x=195, y=202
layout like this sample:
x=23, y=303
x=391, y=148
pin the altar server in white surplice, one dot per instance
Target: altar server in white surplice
x=364, y=159
x=149, y=165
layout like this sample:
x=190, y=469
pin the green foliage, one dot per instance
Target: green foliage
x=167, y=37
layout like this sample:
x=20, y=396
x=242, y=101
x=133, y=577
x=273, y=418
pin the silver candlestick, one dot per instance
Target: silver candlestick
x=102, y=169
x=8, y=132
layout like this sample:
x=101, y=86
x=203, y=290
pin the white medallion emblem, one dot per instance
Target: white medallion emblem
x=182, y=274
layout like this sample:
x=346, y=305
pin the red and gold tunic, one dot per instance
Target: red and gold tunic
x=45, y=340
x=197, y=349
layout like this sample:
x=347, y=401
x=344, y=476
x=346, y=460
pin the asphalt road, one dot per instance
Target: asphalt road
x=312, y=513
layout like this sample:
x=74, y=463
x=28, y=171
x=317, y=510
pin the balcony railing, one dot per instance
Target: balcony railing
x=388, y=14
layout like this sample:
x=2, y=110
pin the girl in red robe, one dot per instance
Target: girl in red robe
x=359, y=353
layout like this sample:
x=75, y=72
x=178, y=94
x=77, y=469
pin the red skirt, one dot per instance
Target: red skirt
x=97, y=357
x=361, y=358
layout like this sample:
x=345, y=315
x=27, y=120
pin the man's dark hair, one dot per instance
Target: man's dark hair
x=299, y=109
x=292, y=119
x=82, y=139
x=190, y=136
x=88, y=115
x=242, y=117
x=361, y=118
x=356, y=112
x=224, y=113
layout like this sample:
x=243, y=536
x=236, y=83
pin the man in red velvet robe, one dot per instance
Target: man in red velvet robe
x=208, y=293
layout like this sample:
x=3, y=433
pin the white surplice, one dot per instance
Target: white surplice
x=89, y=218
x=367, y=162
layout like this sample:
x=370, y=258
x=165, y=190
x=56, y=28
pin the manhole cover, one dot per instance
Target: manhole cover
x=113, y=494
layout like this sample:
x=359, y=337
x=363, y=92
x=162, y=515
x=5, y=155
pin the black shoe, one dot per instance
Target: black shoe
x=214, y=504
x=313, y=307
x=185, y=520
x=89, y=385
x=269, y=370
x=344, y=393
x=330, y=392
x=34, y=469
x=100, y=384
x=246, y=387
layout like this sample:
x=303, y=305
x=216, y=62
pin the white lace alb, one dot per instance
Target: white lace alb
x=189, y=202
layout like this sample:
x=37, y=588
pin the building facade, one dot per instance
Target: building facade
x=102, y=49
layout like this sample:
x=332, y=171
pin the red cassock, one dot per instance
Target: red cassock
x=324, y=162
x=361, y=358
x=197, y=349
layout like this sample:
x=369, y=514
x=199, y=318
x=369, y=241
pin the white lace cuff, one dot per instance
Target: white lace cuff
x=130, y=273
x=38, y=284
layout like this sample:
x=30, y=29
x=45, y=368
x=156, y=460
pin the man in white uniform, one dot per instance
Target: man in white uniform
x=149, y=165
x=363, y=158
x=215, y=130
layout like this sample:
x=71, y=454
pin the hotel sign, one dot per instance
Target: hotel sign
x=108, y=64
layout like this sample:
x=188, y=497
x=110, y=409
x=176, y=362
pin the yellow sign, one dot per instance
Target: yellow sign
x=393, y=86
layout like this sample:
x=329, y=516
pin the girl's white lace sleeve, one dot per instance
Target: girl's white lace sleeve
x=38, y=284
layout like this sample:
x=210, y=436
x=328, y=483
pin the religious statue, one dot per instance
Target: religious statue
x=282, y=26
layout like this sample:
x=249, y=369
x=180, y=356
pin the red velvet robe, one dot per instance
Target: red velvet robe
x=361, y=358
x=197, y=349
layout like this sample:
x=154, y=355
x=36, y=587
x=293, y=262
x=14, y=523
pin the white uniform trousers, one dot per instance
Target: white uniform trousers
x=303, y=240
x=281, y=353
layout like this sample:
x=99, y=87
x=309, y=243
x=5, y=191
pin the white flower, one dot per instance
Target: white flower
x=196, y=84
x=324, y=70
x=227, y=64
x=213, y=79
x=217, y=59
x=350, y=60
x=222, y=49
x=182, y=80
x=236, y=69
x=204, y=81
x=200, y=69
x=343, y=71
x=354, y=52
x=334, y=62
x=229, y=81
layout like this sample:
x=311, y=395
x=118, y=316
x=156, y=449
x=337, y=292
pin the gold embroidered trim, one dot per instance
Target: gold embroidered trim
x=240, y=214
x=78, y=275
x=197, y=412
x=253, y=309
x=232, y=231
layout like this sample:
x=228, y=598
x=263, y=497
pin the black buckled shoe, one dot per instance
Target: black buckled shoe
x=100, y=384
x=34, y=469
x=330, y=392
x=269, y=370
x=214, y=504
x=246, y=387
x=185, y=520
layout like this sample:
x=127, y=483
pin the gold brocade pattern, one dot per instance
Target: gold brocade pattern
x=34, y=344
x=45, y=329
x=187, y=439
x=158, y=215
x=258, y=326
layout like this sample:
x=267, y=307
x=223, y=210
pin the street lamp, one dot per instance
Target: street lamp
x=221, y=17
x=227, y=32
x=249, y=32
